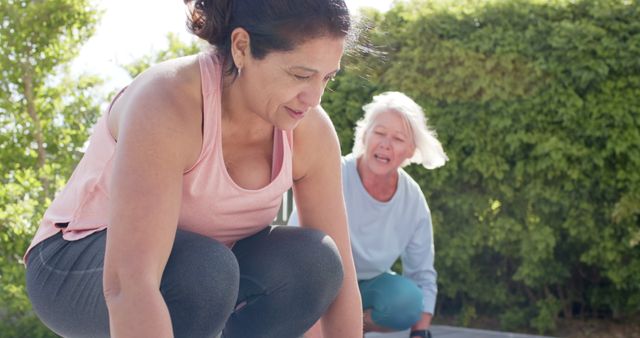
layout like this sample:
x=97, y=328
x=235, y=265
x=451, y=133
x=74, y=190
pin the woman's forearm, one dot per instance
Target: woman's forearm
x=344, y=316
x=139, y=314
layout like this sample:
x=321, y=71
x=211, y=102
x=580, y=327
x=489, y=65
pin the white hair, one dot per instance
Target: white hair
x=428, y=150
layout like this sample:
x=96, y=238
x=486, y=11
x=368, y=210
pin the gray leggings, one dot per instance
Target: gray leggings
x=276, y=283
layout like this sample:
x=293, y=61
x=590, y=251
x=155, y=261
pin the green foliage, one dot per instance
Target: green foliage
x=468, y=314
x=44, y=121
x=514, y=318
x=537, y=103
x=343, y=100
x=176, y=48
x=547, y=310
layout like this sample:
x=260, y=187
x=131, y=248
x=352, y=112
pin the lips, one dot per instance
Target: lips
x=297, y=114
x=382, y=158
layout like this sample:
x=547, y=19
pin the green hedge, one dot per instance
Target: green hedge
x=537, y=103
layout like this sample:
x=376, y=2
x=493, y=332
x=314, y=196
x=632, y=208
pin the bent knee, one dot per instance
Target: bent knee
x=398, y=303
x=200, y=268
x=309, y=262
x=396, y=321
x=399, y=315
x=318, y=258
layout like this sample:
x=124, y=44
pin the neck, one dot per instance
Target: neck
x=380, y=187
x=237, y=118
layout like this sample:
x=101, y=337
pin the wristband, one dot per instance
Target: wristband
x=420, y=333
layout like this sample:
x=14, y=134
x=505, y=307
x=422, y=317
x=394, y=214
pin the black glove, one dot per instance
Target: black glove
x=420, y=334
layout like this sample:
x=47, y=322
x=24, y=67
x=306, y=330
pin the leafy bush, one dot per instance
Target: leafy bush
x=538, y=107
x=44, y=121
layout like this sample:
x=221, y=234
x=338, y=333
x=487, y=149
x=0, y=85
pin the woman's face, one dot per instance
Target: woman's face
x=283, y=86
x=388, y=142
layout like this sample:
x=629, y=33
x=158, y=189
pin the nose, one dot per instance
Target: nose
x=312, y=95
x=385, y=143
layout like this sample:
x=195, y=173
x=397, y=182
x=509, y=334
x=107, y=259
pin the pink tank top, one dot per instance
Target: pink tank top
x=212, y=203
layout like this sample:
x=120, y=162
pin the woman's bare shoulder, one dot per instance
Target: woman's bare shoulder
x=170, y=89
x=174, y=82
x=315, y=126
x=166, y=98
x=315, y=140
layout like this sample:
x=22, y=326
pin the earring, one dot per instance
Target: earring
x=239, y=71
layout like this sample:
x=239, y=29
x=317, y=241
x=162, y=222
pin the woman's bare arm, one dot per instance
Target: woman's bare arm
x=320, y=203
x=156, y=141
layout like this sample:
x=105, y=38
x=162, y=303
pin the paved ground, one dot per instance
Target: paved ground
x=441, y=331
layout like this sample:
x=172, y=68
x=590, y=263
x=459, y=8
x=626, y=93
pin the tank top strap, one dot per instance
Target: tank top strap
x=211, y=82
x=282, y=150
x=289, y=136
x=108, y=111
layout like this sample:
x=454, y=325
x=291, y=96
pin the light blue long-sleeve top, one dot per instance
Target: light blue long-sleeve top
x=383, y=231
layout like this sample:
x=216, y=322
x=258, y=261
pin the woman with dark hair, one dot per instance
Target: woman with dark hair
x=163, y=228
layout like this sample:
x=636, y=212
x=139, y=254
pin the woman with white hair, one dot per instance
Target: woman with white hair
x=389, y=216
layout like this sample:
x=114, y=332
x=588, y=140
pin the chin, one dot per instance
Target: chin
x=287, y=126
